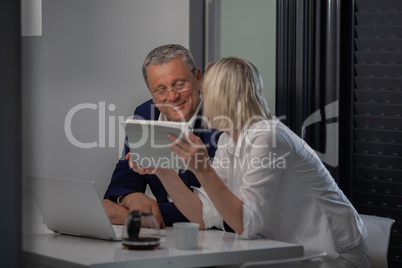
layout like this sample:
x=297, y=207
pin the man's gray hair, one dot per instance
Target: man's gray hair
x=165, y=54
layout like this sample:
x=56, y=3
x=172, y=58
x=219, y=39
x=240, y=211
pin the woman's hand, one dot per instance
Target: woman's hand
x=193, y=153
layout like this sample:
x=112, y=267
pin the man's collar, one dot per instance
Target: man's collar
x=192, y=120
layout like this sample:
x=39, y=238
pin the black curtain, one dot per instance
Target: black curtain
x=339, y=77
x=308, y=71
x=10, y=133
x=377, y=115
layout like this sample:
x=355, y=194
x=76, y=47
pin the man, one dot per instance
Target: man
x=174, y=82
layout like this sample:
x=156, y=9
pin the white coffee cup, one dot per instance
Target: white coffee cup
x=186, y=235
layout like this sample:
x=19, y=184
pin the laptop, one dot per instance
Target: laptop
x=73, y=207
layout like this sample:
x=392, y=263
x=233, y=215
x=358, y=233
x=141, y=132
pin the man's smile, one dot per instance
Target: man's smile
x=178, y=107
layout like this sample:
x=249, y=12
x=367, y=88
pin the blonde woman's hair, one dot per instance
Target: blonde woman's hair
x=232, y=94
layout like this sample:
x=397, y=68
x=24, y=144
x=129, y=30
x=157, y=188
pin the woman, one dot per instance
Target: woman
x=264, y=180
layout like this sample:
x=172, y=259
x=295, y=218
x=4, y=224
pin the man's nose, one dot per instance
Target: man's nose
x=172, y=96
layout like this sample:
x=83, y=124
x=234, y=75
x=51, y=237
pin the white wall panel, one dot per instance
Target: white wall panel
x=89, y=56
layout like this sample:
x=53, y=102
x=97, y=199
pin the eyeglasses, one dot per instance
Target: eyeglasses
x=178, y=88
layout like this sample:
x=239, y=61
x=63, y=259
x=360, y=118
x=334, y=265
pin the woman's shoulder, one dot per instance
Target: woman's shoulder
x=269, y=127
x=271, y=132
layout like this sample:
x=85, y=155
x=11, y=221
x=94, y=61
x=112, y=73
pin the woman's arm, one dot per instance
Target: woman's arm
x=227, y=204
x=195, y=157
x=183, y=198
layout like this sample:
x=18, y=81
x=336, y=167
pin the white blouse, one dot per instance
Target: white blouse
x=286, y=191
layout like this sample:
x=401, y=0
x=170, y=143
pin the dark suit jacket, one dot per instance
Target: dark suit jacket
x=125, y=180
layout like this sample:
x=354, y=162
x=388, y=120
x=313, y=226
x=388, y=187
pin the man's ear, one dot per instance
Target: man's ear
x=198, y=74
x=199, y=78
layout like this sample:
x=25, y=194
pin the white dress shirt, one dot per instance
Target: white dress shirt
x=286, y=191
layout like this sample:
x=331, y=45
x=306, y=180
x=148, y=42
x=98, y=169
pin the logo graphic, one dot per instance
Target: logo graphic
x=330, y=156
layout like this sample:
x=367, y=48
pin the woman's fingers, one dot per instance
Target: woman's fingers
x=176, y=141
x=193, y=141
x=192, y=152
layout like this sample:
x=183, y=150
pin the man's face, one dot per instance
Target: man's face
x=177, y=106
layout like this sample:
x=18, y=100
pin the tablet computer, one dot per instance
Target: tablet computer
x=149, y=144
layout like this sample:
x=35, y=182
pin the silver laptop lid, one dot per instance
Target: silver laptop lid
x=72, y=207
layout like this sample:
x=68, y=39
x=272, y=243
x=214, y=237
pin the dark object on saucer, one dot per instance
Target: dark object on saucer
x=142, y=243
x=141, y=231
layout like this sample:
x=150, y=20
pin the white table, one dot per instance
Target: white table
x=46, y=249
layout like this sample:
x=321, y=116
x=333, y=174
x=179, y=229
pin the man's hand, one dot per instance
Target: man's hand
x=140, y=170
x=116, y=213
x=143, y=203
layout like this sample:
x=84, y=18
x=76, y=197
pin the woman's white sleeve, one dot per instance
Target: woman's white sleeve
x=210, y=214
